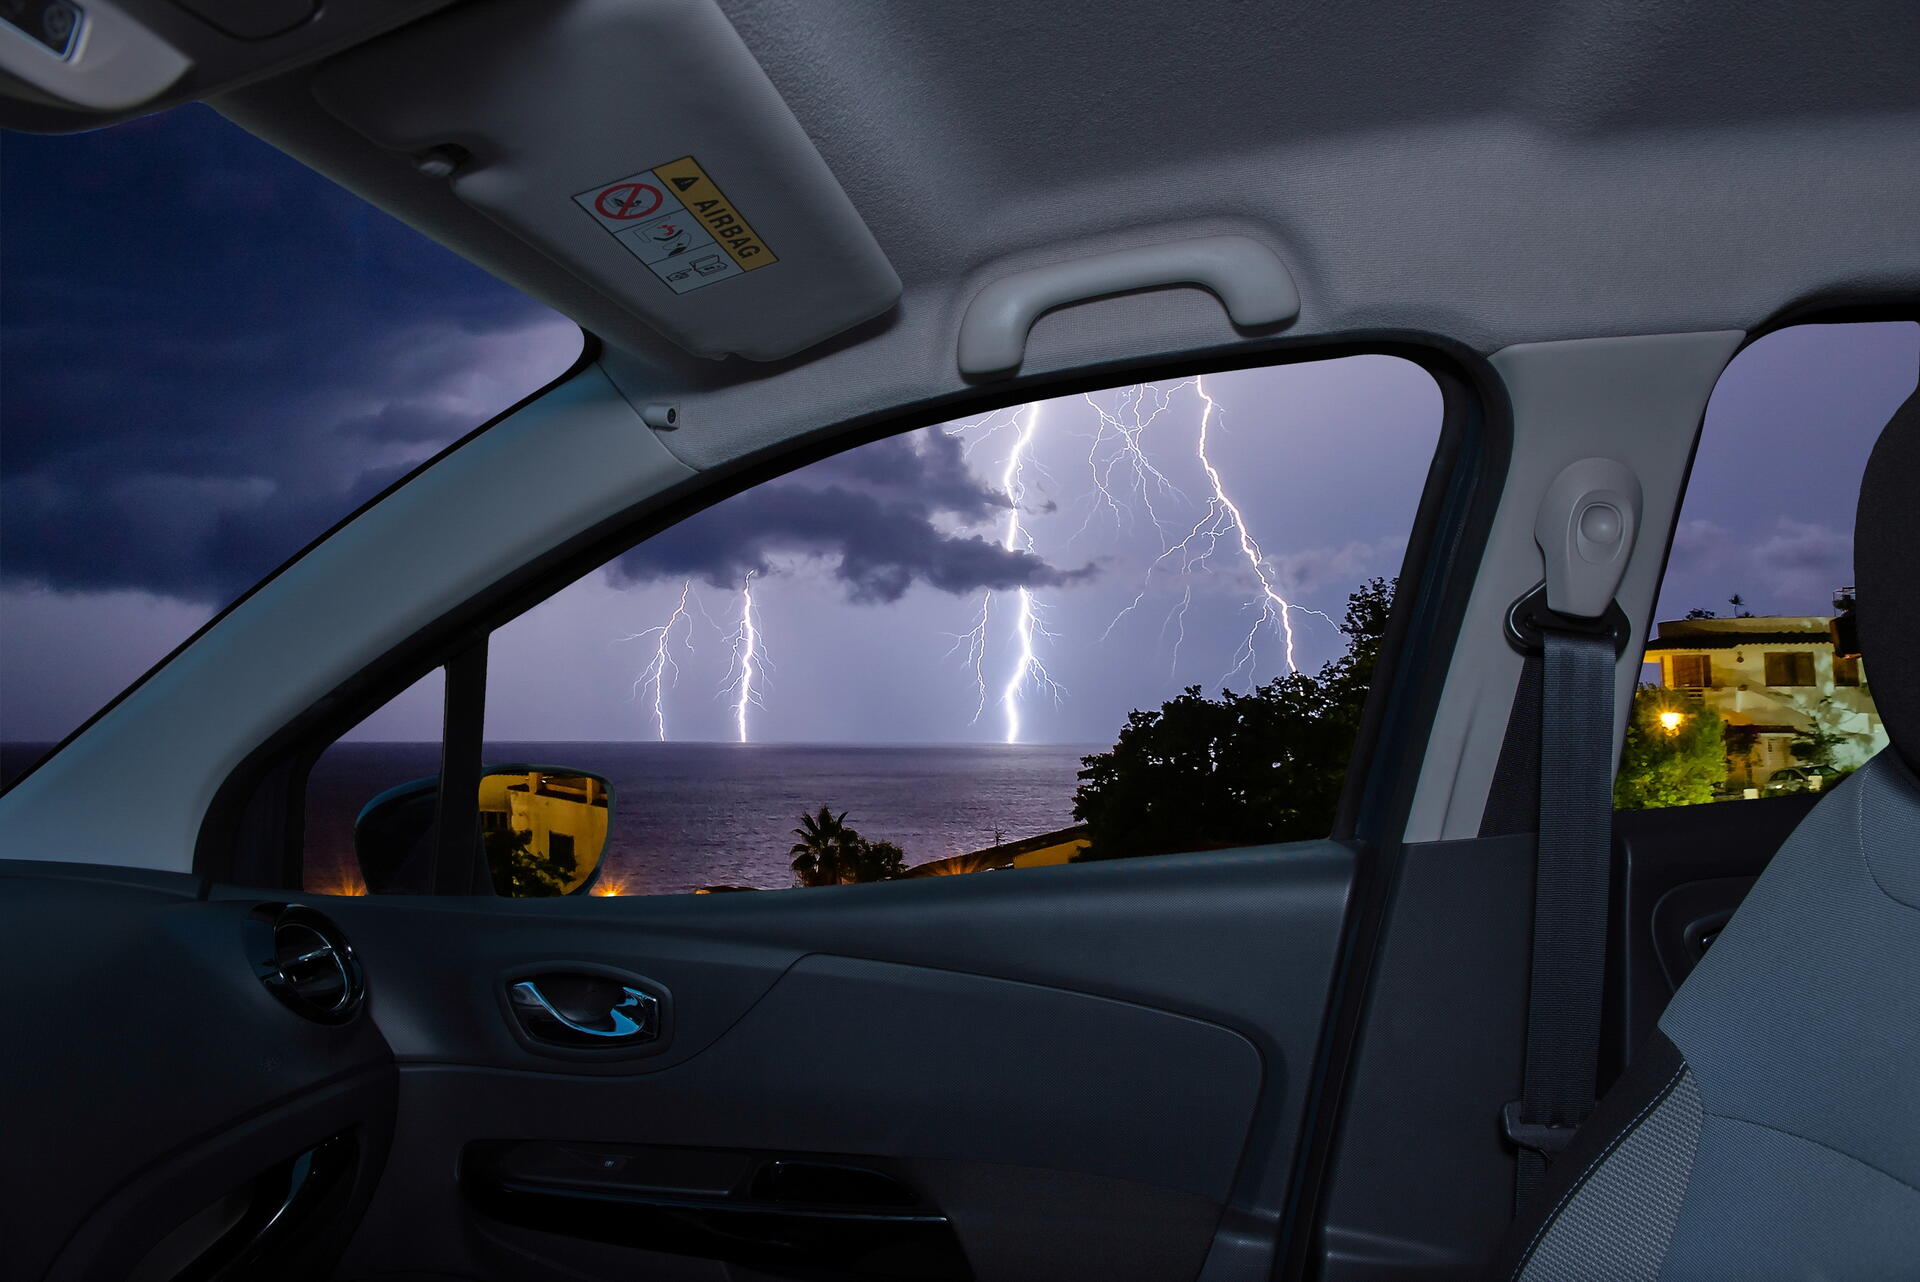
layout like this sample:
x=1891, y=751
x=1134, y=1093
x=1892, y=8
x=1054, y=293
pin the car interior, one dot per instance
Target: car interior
x=1484, y=1027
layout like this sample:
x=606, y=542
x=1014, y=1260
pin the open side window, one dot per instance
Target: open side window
x=1132, y=621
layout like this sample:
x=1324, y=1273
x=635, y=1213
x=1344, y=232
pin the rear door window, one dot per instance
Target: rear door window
x=1753, y=685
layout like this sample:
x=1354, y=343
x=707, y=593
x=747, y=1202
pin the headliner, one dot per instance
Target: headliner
x=1494, y=173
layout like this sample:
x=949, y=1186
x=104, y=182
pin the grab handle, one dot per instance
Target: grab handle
x=1248, y=278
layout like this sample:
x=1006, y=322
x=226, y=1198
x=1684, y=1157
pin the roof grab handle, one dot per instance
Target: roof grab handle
x=1248, y=277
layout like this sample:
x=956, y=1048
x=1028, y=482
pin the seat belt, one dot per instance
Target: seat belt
x=1585, y=528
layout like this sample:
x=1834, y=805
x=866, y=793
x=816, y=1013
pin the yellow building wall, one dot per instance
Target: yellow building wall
x=1047, y=856
x=543, y=804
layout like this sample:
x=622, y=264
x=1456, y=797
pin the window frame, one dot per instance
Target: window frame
x=1699, y=664
x=1791, y=663
x=253, y=832
x=1817, y=310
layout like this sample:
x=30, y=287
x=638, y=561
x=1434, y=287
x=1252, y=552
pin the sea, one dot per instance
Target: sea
x=692, y=815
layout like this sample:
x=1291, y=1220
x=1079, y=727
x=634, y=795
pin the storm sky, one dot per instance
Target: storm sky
x=209, y=354
x=1769, y=508
x=871, y=570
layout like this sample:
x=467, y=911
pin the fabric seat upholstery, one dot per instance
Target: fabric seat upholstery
x=1772, y=1131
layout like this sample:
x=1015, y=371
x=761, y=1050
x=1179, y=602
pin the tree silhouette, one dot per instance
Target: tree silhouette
x=1738, y=602
x=875, y=861
x=831, y=854
x=820, y=856
x=1245, y=769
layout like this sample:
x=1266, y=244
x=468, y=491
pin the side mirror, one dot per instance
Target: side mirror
x=543, y=832
x=393, y=838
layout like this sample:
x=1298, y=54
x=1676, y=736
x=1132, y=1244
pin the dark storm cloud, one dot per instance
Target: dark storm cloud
x=1787, y=567
x=198, y=538
x=211, y=353
x=927, y=466
x=884, y=515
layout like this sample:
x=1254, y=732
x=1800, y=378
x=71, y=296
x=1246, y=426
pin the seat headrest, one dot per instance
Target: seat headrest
x=1886, y=576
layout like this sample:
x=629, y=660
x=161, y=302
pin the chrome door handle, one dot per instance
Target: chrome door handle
x=599, y=1012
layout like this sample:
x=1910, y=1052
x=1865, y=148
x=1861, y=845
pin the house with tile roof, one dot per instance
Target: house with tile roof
x=1778, y=682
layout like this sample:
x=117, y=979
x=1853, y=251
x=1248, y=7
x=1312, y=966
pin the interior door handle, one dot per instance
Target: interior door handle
x=584, y=1011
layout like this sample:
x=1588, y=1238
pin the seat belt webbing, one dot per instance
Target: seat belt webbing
x=1569, y=901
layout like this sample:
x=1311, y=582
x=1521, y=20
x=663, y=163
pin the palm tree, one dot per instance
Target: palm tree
x=821, y=856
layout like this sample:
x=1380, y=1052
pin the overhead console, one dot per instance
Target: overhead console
x=638, y=144
x=67, y=65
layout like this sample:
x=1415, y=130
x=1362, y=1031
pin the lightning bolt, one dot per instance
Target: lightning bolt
x=1221, y=522
x=654, y=677
x=1027, y=668
x=1027, y=617
x=974, y=642
x=1222, y=518
x=1135, y=409
x=743, y=670
x=1177, y=620
x=1127, y=485
x=1127, y=422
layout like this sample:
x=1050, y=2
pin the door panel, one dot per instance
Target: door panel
x=1015, y=1222
x=874, y=1058
x=1422, y=1180
x=164, y=1110
x=1079, y=1068
x=1085, y=1072
x=1680, y=872
x=965, y=1081
x=439, y=969
x=1420, y=1184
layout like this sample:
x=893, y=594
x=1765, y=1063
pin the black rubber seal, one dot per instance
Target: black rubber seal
x=1529, y=617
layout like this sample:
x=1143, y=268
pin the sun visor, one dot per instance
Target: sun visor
x=638, y=144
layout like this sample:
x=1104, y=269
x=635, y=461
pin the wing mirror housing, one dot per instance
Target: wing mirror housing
x=543, y=832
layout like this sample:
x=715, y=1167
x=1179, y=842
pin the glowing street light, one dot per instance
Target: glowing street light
x=1670, y=721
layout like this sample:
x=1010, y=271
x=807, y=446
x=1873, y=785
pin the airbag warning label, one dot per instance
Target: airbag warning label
x=677, y=221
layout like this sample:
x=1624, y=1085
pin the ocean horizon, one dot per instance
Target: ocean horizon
x=691, y=814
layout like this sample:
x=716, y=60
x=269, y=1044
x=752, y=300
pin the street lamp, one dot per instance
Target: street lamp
x=1670, y=722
